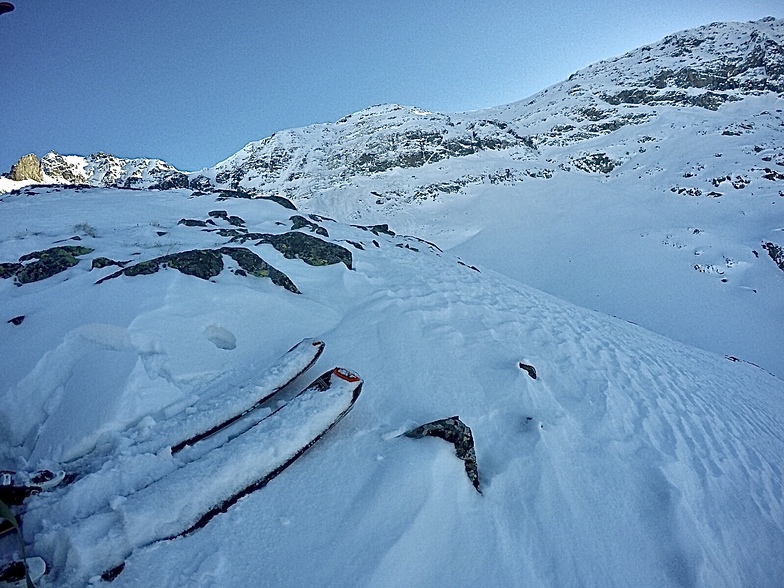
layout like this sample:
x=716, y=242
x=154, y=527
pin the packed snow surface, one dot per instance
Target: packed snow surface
x=632, y=459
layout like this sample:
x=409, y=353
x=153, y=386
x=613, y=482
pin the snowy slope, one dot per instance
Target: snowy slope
x=647, y=186
x=631, y=460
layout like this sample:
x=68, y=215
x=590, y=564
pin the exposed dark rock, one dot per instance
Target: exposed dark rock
x=256, y=266
x=201, y=263
x=44, y=264
x=528, y=368
x=320, y=219
x=231, y=232
x=190, y=222
x=57, y=167
x=776, y=253
x=232, y=220
x=201, y=184
x=27, y=168
x=596, y=163
x=458, y=434
x=208, y=263
x=170, y=180
x=284, y=202
x=8, y=270
x=376, y=229
x=102, y=262
x=226, y=194
x=708, y=100
x=406, y=246
x=17, y=320
x=297, y=245
x=687, y=191
x=300, y=222
x=476, y=269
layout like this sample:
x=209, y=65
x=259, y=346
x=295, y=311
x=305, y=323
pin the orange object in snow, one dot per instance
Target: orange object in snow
x=345, y=374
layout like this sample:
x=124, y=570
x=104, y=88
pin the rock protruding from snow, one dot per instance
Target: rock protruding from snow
x=458, y=434
x=27, y=168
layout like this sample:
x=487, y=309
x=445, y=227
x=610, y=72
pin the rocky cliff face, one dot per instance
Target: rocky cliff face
x=27, y=168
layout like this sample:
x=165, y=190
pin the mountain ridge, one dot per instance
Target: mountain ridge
x=703, y=67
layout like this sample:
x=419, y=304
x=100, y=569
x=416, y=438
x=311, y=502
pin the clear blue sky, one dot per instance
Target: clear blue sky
x=191, y=82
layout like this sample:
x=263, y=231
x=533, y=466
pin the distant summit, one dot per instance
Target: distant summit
x=98, y=169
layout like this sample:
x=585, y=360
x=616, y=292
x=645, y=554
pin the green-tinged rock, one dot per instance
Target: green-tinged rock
x=102, y=262
x=8, y=270
x=296, y=245
x=300, y=222
x=231, y=232
x=208, y=263
x=458, y=434
x=201, y=263
x=256, y=266
x=64, y=251
x=46, y=263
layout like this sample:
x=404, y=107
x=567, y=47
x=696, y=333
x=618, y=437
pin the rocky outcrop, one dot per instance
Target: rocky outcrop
x=297, y=245
x=58, y=169
x=27, y=168
x=101, y=170
x=207, y=264
x=458, y=434
x=40, y=265
x=776, y=253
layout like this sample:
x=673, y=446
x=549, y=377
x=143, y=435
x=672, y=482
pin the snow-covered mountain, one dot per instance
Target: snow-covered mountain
x=98, y=169
x=648, y=187
x=702, y=68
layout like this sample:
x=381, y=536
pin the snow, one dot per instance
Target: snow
x=631, y=460
x=647, y=452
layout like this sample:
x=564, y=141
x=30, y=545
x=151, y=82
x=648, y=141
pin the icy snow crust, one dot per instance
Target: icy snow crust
x=631, y=460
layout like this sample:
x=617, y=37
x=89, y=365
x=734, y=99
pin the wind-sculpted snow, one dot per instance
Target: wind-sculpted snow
x=631, y=459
